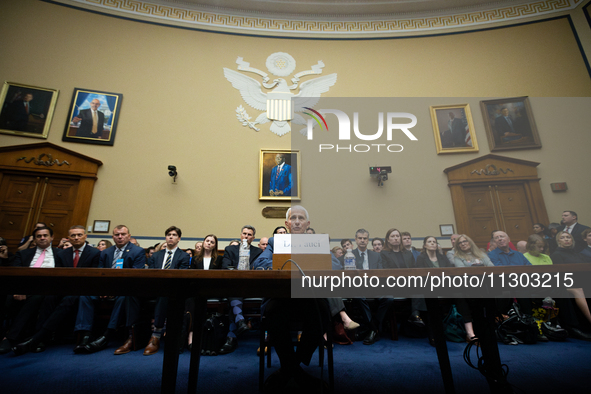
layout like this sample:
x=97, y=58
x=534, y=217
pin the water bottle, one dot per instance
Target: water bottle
x=244, y=256
x=350, y=260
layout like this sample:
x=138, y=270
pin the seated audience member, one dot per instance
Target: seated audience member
x=150, y=252
x=522, y=247
x=492, y=245
x=467, y=254
x=503, y=254
x=377, y=244
x=169, y=257
x=103, y=244
x=280, y=230
x=189, y=252
x=234, y=242
x=586, y=253
x=535, y=251
x=346, y=244
x=25, y=308
x=490, y=248
x=574, y=228
x=395, y=256
x=198, y=246
x=310, y=231
x=337, y=251
x=366, y=259
x=206, y=259
x=231, y=259
x=565, y=254
x=552, y=231
x=67, y=245
x=122, y=253
x=279, y=311
x=450, y=253
x=263, y=243
x=5, y=256
x=407, y=244
x=134, y=241
x=29, y=241
x=430, y=256
x=54, y=309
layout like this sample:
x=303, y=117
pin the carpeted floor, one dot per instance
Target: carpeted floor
x=405, y=366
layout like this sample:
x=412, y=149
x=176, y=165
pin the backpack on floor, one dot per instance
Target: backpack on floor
x=214, y=335
x=518, y=328
x=453, y=326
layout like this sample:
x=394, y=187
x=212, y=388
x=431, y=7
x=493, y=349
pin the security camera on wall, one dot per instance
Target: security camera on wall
x=381, y=173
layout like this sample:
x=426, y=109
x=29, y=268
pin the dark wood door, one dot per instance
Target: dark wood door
x=26, y=200
x=497, y=207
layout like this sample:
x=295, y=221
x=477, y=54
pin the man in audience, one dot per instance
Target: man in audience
x=278, y=312
x=522, y=247
x=55, y=308
x=377, y=244
x=43, y=256
x=310, y=230
x=574, y=228
x=231, y=258
x=450, y=253
x=169, y=257
x=123, y=254
x=586, y=253
x=346, y=244
x=503, y=254
x=150, y=252
x=407, y=244
x=134, y=241
x=263, y=243
x=367, y=259
x=28, y=241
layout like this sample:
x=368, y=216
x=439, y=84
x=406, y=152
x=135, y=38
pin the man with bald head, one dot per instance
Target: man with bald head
x=503, y=254
x=91, y=121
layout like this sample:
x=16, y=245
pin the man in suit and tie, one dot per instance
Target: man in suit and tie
x=26, y=307
x=169, y=257
x=574, y=228
x=91, y=121
x=458, y=130
x=505, y=127
x=231, y=259
x=280, y=184
x=366, y=259
x=55, y=308
x=123, y=254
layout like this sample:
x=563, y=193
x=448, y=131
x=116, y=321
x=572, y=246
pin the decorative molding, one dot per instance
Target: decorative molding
x=47, y=163
x=296, y=25
x=491, y=169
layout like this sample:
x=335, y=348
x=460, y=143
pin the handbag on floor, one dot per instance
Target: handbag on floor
x=214, y=335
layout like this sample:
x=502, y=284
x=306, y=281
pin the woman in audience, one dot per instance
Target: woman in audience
x=586, y=253
x=206, y=259
x=430, y=256
x=467, y=254
x=565, y=254
x=337, y=251
x=280, y=230
x=189, y=251
x=103, y=244
x=394, y=255
x=535, y=251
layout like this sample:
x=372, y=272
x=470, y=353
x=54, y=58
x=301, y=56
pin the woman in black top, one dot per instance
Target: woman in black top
x=565, y=254
x=430, y=256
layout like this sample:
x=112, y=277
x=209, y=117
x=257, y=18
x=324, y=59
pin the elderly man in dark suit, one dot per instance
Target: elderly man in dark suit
x=231, y=259
x=571, y=225
x=55, y=308
x=123, y=254
x=42, y=256
x=169, y=257
x=91, y=121
x=366, y=259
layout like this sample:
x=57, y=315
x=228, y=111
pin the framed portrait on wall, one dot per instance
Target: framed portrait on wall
x=26, y=110
x=93, y=116
x=453, y=129
x=510, y=124
x=279, y=175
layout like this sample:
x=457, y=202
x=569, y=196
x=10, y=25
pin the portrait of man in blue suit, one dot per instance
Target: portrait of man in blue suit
x=280, y=184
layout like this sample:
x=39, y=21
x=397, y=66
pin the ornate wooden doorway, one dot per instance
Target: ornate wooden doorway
x=43, y=183
x=495, y=192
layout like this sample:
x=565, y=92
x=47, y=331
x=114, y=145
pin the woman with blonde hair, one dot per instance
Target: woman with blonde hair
x=467, y=254
x=536, y=246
